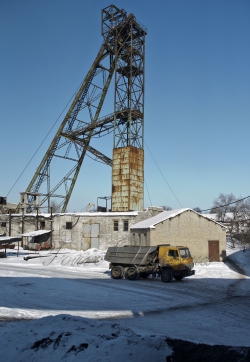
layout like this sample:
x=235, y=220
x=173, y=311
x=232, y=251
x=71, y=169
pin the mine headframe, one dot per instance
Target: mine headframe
x=122, y=53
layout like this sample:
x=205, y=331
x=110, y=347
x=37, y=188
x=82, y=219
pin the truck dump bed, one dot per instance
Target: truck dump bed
x=141, y=255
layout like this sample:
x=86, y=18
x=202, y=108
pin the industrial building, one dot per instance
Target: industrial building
x=79, y=231
x=6, y=207
x=205, y=238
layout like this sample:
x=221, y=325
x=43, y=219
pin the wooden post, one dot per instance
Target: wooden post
x=37, y=218
x=51, y=226
x=10, y=223
x=22, y=226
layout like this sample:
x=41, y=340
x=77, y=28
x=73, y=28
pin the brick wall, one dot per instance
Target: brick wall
x=186, y=229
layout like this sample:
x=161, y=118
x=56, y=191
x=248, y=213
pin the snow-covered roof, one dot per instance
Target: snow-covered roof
x=36, y=233
x=164, y=215
x=92, y=214
x=210, y=216
x=122, y=213
x=152, y=221
x=9, y=239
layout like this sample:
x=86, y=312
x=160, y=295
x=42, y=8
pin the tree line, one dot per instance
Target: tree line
x=234, y=213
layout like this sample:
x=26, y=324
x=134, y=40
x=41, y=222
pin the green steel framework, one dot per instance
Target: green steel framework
x=122, y=54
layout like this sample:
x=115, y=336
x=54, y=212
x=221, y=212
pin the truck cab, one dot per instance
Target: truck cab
x=177, y=259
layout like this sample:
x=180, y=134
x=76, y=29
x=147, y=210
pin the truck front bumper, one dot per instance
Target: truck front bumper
x=190, y=272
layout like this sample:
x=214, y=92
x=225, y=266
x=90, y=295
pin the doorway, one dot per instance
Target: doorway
x=213, y=250
x=90, y=236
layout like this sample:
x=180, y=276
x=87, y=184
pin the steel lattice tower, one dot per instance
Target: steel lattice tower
x=122, y=54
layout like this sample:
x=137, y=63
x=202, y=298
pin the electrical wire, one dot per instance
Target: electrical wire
x=230, y=203
x=163, y=175
x=214, y=208
x=148, y=192
x=234, y=202
x=43, y=140
x=84, y=208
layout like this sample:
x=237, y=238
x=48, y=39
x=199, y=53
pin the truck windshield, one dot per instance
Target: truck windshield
x=185, y=253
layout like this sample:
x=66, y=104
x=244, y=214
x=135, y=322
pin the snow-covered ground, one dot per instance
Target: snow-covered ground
x=65, y=306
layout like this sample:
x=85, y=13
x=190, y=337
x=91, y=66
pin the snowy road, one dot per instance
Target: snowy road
x=211, y=307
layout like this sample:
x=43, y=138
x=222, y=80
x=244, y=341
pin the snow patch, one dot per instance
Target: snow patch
x=67, y=338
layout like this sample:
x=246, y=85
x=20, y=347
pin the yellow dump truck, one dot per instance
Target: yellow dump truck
x=135, y=262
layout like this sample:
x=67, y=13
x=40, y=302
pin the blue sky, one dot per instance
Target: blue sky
x=197, y=94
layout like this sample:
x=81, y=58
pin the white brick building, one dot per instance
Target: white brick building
x=205, y=238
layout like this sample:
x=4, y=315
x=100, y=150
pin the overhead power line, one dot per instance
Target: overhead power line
x=163, y=175
x=230, y=203
x=148, y=192
x=42, y=141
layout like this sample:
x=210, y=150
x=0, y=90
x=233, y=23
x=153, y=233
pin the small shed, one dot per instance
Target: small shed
x=205, y=238
x=6, y=242
x=37, y=239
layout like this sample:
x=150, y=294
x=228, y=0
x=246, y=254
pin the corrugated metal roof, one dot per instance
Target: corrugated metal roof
x=151, y=222
x=9, y=239
x=36, y=233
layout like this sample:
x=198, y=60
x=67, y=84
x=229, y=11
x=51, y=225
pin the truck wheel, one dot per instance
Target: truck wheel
x=144, y=275
x=166, y=276
x=131, y=274
x=117, y=272
x=178, y=277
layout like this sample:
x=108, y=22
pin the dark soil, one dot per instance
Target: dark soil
x=184, y=351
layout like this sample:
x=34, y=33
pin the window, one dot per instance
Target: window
x=2, y=200
x=185, y=253
x=3, y=224
x=173, y=253
x=125, y=225
x=42, y=225
x=115, y=225
x=69, y=225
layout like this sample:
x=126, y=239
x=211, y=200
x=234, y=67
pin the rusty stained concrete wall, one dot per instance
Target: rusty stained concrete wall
x=127, y=179
x=84, y=233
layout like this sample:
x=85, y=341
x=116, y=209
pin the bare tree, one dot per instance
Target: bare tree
x=240, y=223
x=55, y=206
x=221, y=207
x=235, y=215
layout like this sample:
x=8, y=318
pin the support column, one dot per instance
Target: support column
x=127, y=179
